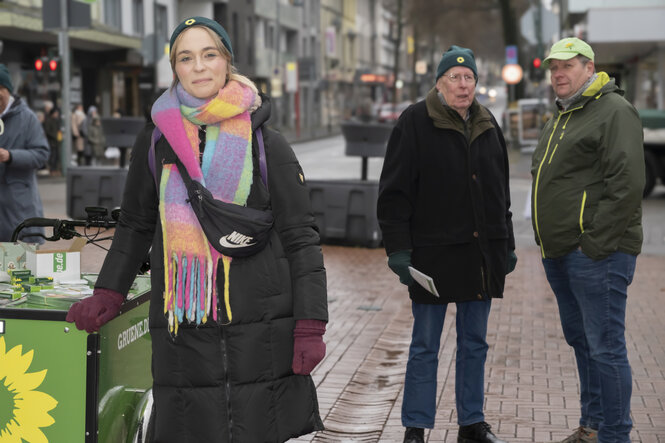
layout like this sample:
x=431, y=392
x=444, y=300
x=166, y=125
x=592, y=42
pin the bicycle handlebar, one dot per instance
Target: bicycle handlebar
x=62, y=228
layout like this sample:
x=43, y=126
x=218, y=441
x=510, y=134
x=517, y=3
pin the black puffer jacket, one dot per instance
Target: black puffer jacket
x=231, y=382
x=444, y=194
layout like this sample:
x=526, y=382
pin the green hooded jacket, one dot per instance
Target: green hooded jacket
x=588, y=176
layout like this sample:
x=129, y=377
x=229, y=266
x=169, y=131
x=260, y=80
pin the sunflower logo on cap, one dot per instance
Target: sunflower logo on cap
x=191, y=21
x=569, y=44
x=460, y=59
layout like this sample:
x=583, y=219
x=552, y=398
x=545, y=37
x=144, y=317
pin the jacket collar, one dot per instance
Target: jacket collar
x=261, y=115
x=600, y=84
x=445, y=117
x=10, y=103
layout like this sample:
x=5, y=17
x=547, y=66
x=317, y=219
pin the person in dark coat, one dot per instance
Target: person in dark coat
x=53, y=135
x=444, y=209
x=23, y=151
x=95, y=139
x=234, y=339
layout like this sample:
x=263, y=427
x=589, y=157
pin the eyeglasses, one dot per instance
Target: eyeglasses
x=454, y=78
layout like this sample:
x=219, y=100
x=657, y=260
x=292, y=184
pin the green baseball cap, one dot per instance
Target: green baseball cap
x=567, y=48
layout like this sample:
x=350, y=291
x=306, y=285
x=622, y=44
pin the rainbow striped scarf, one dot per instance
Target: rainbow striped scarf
x=190, y=262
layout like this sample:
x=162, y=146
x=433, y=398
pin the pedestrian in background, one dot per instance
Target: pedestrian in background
x=444, y=208
x=95, y=140
x=23, y=151
x=54, y=137
x=588, y=178
x=232, y=356
x=78, y=136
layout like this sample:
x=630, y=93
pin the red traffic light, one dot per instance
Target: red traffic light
x=536, y=62
x=39, y=64
x=53, y=64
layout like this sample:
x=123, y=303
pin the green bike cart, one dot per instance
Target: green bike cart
x=59, y=384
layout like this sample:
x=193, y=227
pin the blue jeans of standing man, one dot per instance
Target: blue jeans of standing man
x=419, y=403
x=591, y=295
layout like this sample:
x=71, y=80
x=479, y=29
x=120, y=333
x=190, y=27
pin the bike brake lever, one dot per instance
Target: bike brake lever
x=65, y=231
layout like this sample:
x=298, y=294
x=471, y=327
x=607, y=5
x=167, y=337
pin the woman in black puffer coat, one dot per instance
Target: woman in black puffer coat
x=240, y=371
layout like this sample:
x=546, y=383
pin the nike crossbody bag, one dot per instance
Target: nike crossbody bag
x=234, y=230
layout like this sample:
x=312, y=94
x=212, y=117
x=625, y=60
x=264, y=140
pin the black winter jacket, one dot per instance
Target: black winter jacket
x=444, y=194
x=230, y=382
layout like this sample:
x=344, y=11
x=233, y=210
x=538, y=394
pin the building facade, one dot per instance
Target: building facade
x=109, y=63
x=628, y=38
x=317, y=59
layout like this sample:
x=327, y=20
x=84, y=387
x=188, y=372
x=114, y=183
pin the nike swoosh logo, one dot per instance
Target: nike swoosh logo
x=225, y=242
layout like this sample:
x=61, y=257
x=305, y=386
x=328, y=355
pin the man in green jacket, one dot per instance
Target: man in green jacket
x=588, y=177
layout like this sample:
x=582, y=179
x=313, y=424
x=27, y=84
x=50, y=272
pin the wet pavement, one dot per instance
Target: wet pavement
x=531, y=380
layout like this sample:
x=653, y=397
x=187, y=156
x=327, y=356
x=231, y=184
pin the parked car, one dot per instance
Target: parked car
x=389, y=112
x=653, y=121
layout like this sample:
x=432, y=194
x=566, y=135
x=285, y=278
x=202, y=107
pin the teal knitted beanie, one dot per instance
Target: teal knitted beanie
x=457, y=56
x=5, y=79
x=211, y=24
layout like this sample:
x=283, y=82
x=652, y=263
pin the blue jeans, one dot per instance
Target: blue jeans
x=419, y=404
x=591, y=295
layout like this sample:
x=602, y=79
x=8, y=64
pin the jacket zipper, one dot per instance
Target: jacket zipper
x=482, y=277
x=535, y=188
x=227, y=386
x=551, y=156
x=467, y=137
x=563, y=131
x=582, y=213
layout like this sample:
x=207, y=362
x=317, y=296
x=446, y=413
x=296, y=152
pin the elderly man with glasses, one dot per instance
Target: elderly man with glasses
x=444, y=209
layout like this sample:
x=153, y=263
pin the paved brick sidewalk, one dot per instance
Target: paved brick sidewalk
x=531, y=382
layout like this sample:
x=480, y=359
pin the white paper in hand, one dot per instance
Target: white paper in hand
x=423, y=280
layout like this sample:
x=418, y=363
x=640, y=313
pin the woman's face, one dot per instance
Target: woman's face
x=199, y=65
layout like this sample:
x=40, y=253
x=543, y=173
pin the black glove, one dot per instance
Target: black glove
x=511, y=261
x=399, y=263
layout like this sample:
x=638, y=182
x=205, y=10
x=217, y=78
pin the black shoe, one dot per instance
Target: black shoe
x=477, y=433
x=414, y=435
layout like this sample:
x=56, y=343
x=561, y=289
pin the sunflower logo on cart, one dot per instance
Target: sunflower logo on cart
x=28, y=408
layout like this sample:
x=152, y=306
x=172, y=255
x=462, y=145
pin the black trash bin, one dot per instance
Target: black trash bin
x=345, y=210
x=94, y=186
x=122, y=132
x=365, y=140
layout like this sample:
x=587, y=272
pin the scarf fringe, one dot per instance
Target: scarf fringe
x=190, y=294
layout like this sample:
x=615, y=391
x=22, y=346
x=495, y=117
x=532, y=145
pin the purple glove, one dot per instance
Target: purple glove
x=308, y=346
x=92, y=312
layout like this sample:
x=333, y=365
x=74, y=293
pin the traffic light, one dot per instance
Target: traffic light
x=47, y=62
x=537, y=73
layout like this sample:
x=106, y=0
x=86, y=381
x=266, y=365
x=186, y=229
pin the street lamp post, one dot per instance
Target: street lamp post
x=63, y=44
